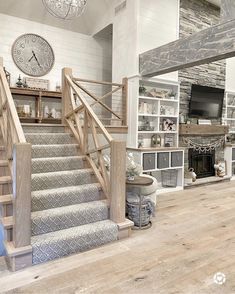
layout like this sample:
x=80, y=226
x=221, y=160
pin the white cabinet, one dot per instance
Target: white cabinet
x=166, y=165
x=229, y=156
x=153, y=113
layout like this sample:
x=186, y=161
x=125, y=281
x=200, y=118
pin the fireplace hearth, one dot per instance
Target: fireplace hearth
x=202, y=163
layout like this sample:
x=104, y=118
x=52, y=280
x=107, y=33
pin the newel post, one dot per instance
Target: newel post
x=66, y=92
x=118, y=188
x=22, y=204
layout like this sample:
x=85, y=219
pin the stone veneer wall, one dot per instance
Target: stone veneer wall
x=196, y=15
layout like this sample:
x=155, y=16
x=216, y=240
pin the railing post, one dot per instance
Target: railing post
x=22, y=204
x=66, y=91
x=118, y=188
x=124, y=100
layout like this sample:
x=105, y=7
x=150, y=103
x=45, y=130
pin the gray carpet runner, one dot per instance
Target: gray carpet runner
x=69, y=214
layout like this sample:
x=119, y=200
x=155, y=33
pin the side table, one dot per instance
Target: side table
x=139, y=182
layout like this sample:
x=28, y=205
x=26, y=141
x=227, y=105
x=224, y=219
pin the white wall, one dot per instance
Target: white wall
x=89, y=57
x=230, y=74
x=158, y=25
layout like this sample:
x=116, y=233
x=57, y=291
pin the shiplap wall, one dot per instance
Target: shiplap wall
x=89, y=57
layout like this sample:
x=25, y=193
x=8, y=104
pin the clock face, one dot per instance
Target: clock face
x=33, y=55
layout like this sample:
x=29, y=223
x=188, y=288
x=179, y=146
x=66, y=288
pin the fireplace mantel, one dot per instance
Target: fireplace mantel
x=202, y=130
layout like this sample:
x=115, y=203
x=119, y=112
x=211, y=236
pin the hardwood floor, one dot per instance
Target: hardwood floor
x=192, y=238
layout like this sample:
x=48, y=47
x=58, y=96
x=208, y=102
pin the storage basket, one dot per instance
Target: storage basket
x=133, y=211
x=169, y=178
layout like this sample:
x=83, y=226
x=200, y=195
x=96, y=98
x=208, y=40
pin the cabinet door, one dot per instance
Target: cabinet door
x=233, y=153
x=163, y=160
x=177, y=159
x=148, y=161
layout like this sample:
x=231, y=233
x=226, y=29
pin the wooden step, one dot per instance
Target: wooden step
x=2, y=148
x=6, y=199
x=12, y=251
x=3, y=163
x=5, y=180
x=7, y=222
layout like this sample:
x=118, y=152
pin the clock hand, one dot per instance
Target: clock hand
x=30, y=58
x=34, y=55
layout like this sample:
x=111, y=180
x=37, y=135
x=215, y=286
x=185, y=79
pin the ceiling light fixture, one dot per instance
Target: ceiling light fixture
x=65, y=9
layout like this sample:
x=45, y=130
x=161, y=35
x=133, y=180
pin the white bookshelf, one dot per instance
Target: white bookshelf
x=148, y=115
x=157, y=161
x=230, y=111
x=229, y=156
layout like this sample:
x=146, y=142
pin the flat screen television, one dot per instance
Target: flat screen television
x=206, y=102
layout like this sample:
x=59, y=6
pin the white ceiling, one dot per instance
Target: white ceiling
x=34, y=10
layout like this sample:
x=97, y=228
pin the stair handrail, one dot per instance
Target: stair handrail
x=18, y=154
x=83, y=121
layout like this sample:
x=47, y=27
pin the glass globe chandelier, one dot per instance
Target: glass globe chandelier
x=65, y=9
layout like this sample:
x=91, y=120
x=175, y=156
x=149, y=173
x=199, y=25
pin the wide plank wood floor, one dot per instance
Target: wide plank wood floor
x=192, y=238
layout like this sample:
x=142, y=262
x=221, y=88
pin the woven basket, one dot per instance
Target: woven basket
x=133, y=211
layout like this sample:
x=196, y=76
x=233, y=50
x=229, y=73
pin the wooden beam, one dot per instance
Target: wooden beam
x=66, y=92
x=214, y=43
x=227, y=10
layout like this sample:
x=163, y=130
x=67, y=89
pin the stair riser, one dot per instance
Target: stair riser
x=55, y=151
x=42, y=200
x=72, y=243
x=50, y=165
x=46, y=181
x=39, y=129
x=51, y=222
x=49, y=139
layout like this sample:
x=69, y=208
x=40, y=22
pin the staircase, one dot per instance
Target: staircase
x=69, y=212
x=56, y=195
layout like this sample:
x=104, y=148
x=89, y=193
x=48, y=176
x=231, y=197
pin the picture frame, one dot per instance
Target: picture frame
x=169, y=140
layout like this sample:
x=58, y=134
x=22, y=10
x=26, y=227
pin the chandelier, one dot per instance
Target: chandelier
x=65, y=9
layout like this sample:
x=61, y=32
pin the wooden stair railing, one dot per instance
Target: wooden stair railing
x=96, y=142
x=16, y=154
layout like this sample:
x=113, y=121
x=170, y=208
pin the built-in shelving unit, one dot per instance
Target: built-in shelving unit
x=166, y=165
x=230, y=111
x=155, y=111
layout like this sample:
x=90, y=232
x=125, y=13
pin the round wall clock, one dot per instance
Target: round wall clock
x=33, y=55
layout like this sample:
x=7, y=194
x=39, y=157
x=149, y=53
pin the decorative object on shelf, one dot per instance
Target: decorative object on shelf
x=144, y=125
x=156, y=141
x=58, y=87
x=46, y=112
x=37, y=84
x=182, y=118
x=169, y=140
x=158, y=94
x=204, y=147
x=65, y=9
x=132, y=169
x=142, y=90
x=33, y=55
x=168, y=125
x=19, y=83
x=8, y=76
x=171, y=94
x=204, y=122
x=220, y=168
x=192, y=174
x=162, y=110
x=140, y=142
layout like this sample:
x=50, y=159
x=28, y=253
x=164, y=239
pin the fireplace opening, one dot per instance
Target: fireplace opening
x=202, y=163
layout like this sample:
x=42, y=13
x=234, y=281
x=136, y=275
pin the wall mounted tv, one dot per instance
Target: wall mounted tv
x=206, y=102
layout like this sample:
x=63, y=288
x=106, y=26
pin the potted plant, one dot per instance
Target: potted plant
x=142, y=90
x=172, y=94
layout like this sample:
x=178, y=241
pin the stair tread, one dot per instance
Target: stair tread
x=5, y=180
x=64, y=172
x=60, y=234
x=68, y=189
x=7, y=222
x=68, y=209
x=54, y=145
x=6, y=199
x=42, y=125
x=3, y=163
x=59, y=158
